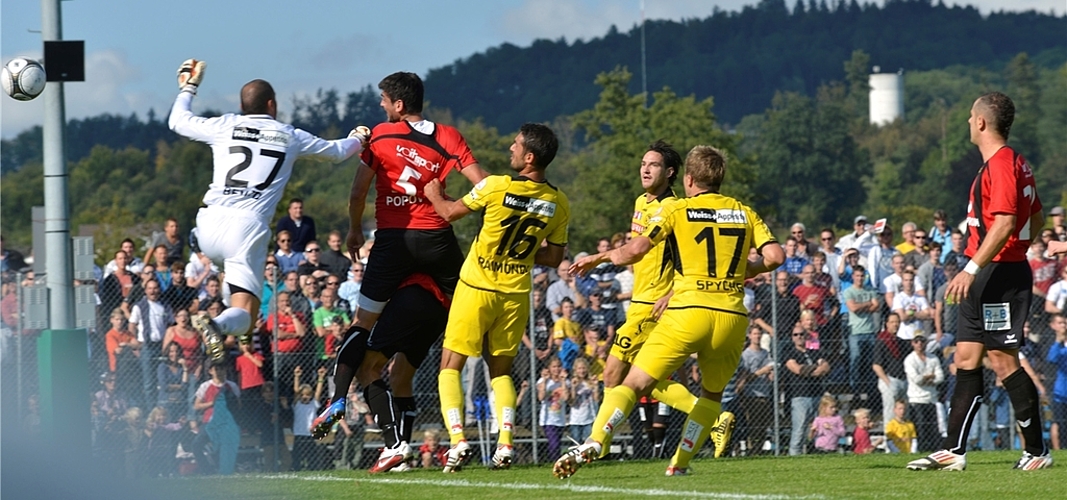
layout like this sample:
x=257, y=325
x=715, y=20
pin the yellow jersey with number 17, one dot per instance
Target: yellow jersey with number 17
x=713, y=234
x=654, y=273
x=519, y=215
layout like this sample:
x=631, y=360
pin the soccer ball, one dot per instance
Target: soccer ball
x=23, y=78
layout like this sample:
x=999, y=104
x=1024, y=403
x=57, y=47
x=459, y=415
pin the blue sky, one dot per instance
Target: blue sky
x=133, y=47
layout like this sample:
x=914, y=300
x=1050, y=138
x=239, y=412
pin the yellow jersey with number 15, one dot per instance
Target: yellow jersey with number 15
x=654, y=273
x=519, y=215
x=713, y=234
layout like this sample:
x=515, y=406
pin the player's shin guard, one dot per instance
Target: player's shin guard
x=450, y=390
x=234, y=321
x=380, y=400
x=504, y=389
x=406, y=411
x=1024, y=398
x=696, y=430
x=675, y=394
x=618, y=403
x=966, y=401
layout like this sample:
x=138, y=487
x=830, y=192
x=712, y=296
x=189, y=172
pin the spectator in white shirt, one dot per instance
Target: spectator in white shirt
x=912, y=308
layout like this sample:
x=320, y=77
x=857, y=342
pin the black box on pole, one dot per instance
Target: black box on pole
x=64, y=60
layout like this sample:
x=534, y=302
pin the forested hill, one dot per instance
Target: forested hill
x=740, y=58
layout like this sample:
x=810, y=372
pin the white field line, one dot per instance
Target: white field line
x=565, y=486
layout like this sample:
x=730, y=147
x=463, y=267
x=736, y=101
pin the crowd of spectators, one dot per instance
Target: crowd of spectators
x=853, y=335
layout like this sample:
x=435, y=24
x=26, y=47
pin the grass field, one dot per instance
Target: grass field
x=988, y=475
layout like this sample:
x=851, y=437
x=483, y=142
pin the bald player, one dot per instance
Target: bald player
x=253, y=156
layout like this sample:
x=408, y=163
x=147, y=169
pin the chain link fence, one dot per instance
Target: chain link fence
x=150, y=415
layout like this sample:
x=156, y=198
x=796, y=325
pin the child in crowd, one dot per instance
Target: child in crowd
x=432, y=452
x=900, y=432
x=305, y=408
x=862, y=443
x=553, y=391
x=828, y=428
x=585, y=400
x=249, y=366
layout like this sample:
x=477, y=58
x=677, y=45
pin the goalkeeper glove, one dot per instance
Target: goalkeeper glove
x=362, y=133
x=190, y=74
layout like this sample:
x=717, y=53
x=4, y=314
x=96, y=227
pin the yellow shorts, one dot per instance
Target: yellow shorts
x=498, y=319
x=716, y=337
x=632, y=335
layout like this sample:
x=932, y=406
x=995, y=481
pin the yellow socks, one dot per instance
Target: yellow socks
x=696, y=430
x=675, y=394
x=504, y=391
x=450, y=390
x=617, y=405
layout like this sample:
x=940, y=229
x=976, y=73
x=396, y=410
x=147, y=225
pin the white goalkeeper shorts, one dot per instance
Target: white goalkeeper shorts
x=237, y=238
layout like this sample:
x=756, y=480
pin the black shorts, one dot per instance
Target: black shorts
x=411, y=323
x=996, y=306
x=398, y=253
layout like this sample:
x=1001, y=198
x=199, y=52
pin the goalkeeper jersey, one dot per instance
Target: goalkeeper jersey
x=253, y=154
x=654, y=273
x=519, y=215
x=713, y=234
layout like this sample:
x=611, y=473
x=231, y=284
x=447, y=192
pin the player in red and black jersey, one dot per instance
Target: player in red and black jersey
x=404, y=155
x=994, y=289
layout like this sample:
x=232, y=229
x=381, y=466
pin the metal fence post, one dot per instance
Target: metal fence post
x=777, y=365
x=18, y=350
x=276, y=428
x=533, y=380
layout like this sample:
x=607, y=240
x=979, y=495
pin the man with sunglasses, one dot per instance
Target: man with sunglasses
x=806, y=368
x=805, y=248
x=313, y=266
x=920, y=254
x=880, y=257
x=288, y=259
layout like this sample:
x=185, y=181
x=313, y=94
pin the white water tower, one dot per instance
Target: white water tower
x=887, y=97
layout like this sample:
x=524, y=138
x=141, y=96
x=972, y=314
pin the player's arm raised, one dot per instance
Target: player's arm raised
x=449, y=210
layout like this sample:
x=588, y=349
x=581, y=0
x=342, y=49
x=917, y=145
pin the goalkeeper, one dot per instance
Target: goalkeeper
x=253, y=160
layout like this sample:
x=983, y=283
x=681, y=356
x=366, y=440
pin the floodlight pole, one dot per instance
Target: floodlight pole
x=59, y=260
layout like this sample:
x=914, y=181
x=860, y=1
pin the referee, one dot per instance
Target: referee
x=994, y=289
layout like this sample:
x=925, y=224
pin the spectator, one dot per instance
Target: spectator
x=831, y=253
x=109, y=400
x=212, y=292
x=946, y=312
x=924, y=374
x=161, y=441
x=1056, y=298
x=289, y=328
x=1057, y=356
x=828, y=428
x=304, y=410
x=172, y=243
x=755, y=389
x=820, y=277
x=300, y=227
x=269, y=422
x=788, y=309
x=891, y=284
x=432, y=453
x=334, y=257
x=908, y=231
x=553, y=391
x=940, y=232
x=334, y=283
x=249, y=366
x=272, y=284
x=312, y=265
x=118, y=285
x=539, y=340
x=150, y=318
x=288, y=259
x=598, y=319
x=918, y=255
x=625, y=278
x=567, y=334
x=291, y=283
x=133, y=263
x=584, y=400
x=860, y=239
x=173, y=381
x=794, y=261
x=179, y=295
x=349, y=290
x=930, y=275
x=307, y=301
x=133, y=441
x=862, y=443
x=880, y=257
x=805, y=248
x=188, y=339
x=565, y=287
x=812, y=297
x=956, y=252
x=1045, y=268
x=1056, y=217
x=899, y=431
x=912, y=309
x=159, y=259
x=888, y=365
x=123, y=351
x=863, y=302
x=324, y=317
x=608, y=289
x=219, y=399
x=806, y=371
x=10, y=260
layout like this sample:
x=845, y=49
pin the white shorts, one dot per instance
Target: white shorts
x=239, y=239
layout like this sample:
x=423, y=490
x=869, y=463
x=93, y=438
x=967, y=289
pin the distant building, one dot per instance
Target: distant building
x=887, y=97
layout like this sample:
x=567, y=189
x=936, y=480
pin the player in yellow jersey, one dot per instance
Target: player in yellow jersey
x=706, y=314
x=493, y=294
x=653, y=275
